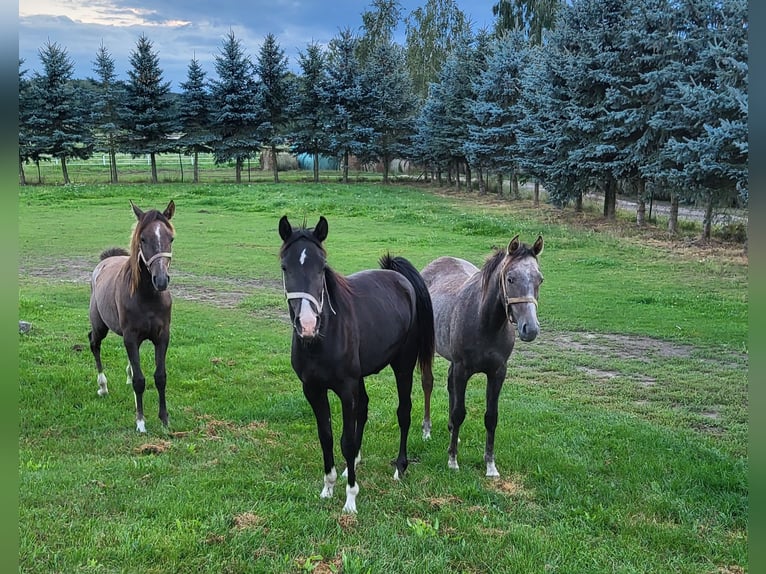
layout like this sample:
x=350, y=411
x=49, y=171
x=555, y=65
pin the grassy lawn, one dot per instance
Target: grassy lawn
x=621, y=444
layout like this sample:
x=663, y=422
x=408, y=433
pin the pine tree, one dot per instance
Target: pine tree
x=106, y=109
x=59, y=122
x=310, y=112
x=195, y=115
x=234, y=106
x=273, y=97
x=26, y=109
x=150, y=115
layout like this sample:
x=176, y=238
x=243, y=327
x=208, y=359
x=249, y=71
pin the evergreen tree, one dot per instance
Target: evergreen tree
x=706, y=109
x=106, y=109
x=235, y=111
x=59, y=120
x=273, y=97
x=149, y=110
x=497, y=109
x=195, y=115
x=389, y=105
x=310, y=112
x=343, y=99
x=26, y=109
x=433, y=32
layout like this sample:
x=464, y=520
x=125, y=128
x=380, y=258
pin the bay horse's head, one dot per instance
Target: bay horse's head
x=520, y=280
x=303, y=260
x=150, y=246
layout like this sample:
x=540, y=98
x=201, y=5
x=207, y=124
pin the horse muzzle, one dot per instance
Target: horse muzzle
x=306, y=320
x=528, y=330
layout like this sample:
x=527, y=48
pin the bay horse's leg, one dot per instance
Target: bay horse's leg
x=404, y=416
x=348, y=445
x=494, y=386
x=136, y=376
x=95, y=336
x=160, y=375
x=427, y=382
x=457, y=380
x=317, y=398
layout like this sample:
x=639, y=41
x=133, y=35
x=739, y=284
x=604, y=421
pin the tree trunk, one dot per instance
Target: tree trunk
x=578, y=202
x=468, y=177
x=238, y=170
x=456, y=163
x=22, y=176
x=181, y=165
x=641, y=203
x=316, y=166
x=112, y=164
x=345, y=166
x=274, y=166
x=153, y=160
x=482, y=184
x=195, y=176
x=673, y=215
x=64, y=170
x=537, y=194
x=515, y=184
x=610, y=198
x=500, y=184
x=707, y=222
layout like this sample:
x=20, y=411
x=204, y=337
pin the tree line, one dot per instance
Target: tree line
x=646, y=97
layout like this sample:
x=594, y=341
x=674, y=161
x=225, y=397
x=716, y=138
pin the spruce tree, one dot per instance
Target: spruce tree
x=106, y=109
x=150, y=114
x=59, y=123
x=343, y=98
x=273, y=97
x=194, y=115
x=234, y=106
x=310, y=112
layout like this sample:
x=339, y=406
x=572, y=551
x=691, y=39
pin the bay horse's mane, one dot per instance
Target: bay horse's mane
x=135, y=244
x=500, y=256
x=338, y=287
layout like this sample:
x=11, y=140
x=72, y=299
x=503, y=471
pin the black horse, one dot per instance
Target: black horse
x=346, y=328
x=129, y=296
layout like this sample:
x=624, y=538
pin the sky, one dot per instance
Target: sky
x=184, y=29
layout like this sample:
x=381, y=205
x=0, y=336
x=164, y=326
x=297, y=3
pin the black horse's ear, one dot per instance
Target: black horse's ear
x=285, y=229
x=514, y=244
x=139, y=214
x=170, y=209
x=538, y=246
x=320, y=231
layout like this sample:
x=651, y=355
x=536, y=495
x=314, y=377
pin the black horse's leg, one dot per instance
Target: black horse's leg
x=160, y=374
x=404, y=416
x=456, y=383
x=361, y=420
x=317, y=398
x=494, y=386
x=95, y=336
x=136, y=376
x=349, y=399
x=427, y=382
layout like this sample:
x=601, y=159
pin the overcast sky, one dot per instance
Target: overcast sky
x=182, y=29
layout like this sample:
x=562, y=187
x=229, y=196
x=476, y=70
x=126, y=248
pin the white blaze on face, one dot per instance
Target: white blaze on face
x=303, y=257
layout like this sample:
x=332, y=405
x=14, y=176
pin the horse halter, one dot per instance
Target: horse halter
x=303, y=295
x=154, y=257
x=511, y=300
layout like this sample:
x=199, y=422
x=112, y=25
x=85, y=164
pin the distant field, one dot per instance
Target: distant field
x=622, y=440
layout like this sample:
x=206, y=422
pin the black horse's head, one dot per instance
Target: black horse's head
x=303, y=260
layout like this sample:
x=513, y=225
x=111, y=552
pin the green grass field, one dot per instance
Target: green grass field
x=622, y=440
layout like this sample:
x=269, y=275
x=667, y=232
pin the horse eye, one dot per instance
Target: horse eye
x=172, y=239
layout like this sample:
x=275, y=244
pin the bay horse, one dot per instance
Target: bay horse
x=129, y=296
x=346, y=328
x=477, y=313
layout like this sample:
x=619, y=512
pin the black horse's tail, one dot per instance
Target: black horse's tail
x=423, y=307
x=112, y=251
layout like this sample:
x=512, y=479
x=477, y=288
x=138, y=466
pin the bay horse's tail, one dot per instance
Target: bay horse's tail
x=112, y=251
x=423, y=307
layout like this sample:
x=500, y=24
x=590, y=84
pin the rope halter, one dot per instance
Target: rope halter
x=319, y=305
x=154, y=257
x=511, y=300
